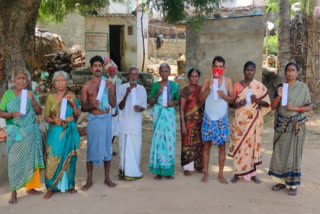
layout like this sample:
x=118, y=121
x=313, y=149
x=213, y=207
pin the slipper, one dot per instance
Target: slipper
x=278, y=187
x=292, y=192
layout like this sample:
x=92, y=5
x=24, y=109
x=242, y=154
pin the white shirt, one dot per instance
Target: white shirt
x=130, y=121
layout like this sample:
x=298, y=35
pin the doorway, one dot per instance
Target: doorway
x=116, y=36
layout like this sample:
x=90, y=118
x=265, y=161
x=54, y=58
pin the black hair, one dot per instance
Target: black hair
x=249, y=63
x=192, y=70
x=219, y=59
x=96, y=59
x=291, y=63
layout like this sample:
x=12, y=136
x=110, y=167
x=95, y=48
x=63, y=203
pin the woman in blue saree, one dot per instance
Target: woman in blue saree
x=63, y=139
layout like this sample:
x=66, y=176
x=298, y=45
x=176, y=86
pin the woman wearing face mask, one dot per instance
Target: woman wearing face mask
x=162, y=154
x=191, y=115
x=63, y=139
x=247, y=127
x=289, y=131
x=24, y=144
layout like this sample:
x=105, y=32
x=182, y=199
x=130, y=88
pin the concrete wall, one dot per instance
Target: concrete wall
x=132, y=44
x=171, y=47
x=71, y=29
x=236, y=39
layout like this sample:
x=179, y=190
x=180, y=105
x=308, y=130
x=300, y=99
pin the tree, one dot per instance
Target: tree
x=17, y=26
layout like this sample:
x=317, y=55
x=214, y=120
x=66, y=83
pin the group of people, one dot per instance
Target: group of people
x=203, y=120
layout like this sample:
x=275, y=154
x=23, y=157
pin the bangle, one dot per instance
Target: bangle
x=301, y=109
x=73, y=105
x=257, y=101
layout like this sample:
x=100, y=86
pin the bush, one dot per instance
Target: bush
x=272, y=45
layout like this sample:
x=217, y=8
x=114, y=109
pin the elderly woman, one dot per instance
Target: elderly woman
x=191, y=114
x=289, y=131
x=63, y=138
x=247, y=127
x=162, y=155
x=24, y=144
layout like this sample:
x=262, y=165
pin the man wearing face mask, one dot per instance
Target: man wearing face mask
x=112, y=76
x=132, y=101
x=215, y=129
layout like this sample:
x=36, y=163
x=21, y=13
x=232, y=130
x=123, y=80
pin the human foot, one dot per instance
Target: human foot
x=234, y=179
x=278, y=187
x=170, y=177
x=72, y=191
x=186, y=173
x=109, y=183
x=86, y=187
x=222, y=180
x=205, y=179
x=292, y=192
x=48, y=195
x=157, y=177
x=13, y=199
x=34, y=192
x=255, y=179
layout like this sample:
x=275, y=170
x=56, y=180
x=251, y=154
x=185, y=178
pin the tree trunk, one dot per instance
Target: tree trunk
x=17, y=28
x=284, y=53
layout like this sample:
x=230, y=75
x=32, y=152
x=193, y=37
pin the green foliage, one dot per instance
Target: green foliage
x=272, y=45
x=56, y=10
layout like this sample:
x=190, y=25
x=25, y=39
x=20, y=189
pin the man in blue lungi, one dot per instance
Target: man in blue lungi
x=99, y=131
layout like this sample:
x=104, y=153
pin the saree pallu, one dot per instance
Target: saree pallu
x=247, y=130
x=192, y=144
x=62, y=149
x=162, y=154
x=289, y=137
x=24, y=145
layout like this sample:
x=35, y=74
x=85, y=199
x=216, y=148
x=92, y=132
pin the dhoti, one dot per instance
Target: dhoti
x=99, y=139
x=115, y=124
x=130, y=155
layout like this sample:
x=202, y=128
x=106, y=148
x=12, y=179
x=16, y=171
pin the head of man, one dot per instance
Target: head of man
x=112, y=73
x=218, y=66
x=96, y=66
x=133, y=75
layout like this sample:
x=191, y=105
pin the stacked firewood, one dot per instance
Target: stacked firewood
x=78, y=59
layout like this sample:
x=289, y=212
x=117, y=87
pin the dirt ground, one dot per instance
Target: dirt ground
x=183, y=194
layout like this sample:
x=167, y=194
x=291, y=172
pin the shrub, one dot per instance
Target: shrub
x=272, y=45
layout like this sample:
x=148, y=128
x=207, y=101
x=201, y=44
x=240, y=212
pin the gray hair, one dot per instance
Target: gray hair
x=65, y=74
x=163, y=65
x=20, y=70
x=133, y=67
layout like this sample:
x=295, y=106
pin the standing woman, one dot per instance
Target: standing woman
x=247, y=126
x=162, y=154
x=191, y=114
x=24, y=144
x=289, y=132
x=63, y=138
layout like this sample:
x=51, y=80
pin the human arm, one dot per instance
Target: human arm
x=37, y=108
x=122, y=104
x=156, y=91
x=205, y=89
x=183, y=102
x=111, y=95
x=74, y=104
x=227, y=97
x=260, y=103
x=277, y=98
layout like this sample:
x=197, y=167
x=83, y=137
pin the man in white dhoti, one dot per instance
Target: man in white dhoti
x=132, y=102
x=112, y=76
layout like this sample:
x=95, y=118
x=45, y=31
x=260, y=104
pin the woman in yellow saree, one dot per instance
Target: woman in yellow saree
x=247, y=126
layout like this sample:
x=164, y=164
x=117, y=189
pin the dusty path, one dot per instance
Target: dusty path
x=183, y=194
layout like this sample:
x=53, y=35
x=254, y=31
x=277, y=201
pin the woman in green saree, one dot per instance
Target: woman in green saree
x=24, y=144
x=63, y=139
x=289, y=131
x=162, y=154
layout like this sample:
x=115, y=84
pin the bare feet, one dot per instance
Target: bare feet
x=109, y=183
x=157, y=177
x=186, y=173
x=13, y=199
x=205, y=179
x=72, y=191
x=170, y=177
x=234, y=179
x=34, y=192
x=255, y=179
x=222, y=180
x=86, y=187
x=48, y=194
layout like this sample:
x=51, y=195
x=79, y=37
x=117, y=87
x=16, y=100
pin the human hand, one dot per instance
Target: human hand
x=254, y=98
x=137, y=108
x=16, y=115
x=184, y=130
x=69, y=98
x=109, y=85
x=290, y=107
x=243, y=102
x=221, y=93
x=170, y=103
x=96, y=104
x=57, y=121
x=30, y=95
x=107, y=110
x=279, y=91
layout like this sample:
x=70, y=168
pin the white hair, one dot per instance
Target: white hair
x=20, y=70
x=65, y=74
x=133, y=67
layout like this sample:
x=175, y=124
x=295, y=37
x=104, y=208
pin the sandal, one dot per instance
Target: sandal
x=278, y=187
x=292, y=192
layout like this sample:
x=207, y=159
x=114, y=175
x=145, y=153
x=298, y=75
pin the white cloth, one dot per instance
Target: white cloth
x=115, y=120
x=189, y=166
x=130, y=154
x=130, y=121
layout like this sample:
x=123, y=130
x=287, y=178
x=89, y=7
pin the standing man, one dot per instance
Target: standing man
x=99, y=122
x=215, y=128
x=132, y=102
x=116, y=81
